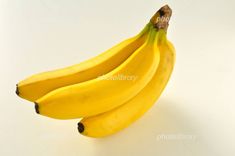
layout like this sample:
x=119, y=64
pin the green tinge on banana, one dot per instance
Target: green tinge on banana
x=113, y=121
x=107, y=105
x=100, y=95
x=38, y=85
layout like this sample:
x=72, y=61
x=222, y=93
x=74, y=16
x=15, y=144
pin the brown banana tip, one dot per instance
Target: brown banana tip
x=80, y=127
x=161, y=18
x=17, y=90
x=36, y=108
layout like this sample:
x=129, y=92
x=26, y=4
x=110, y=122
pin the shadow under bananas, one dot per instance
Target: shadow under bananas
x=164, y=130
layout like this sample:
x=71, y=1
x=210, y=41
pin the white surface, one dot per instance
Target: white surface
x=199, y=101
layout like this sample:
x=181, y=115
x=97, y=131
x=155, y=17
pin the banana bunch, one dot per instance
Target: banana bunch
x=111, y=90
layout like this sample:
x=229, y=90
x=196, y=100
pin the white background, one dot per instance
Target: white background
x=41, y=35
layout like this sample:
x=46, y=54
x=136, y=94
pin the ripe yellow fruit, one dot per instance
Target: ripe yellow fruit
x=100, y=95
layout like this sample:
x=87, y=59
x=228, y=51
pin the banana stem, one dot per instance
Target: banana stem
x=161, y=18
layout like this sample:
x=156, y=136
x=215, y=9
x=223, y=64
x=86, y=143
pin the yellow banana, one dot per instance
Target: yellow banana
x=38, y=85
x=103, y=94
x=117, y=119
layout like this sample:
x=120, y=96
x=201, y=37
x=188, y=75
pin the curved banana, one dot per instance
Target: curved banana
x=103, y=94
x=40, y=84
x=117, y=119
